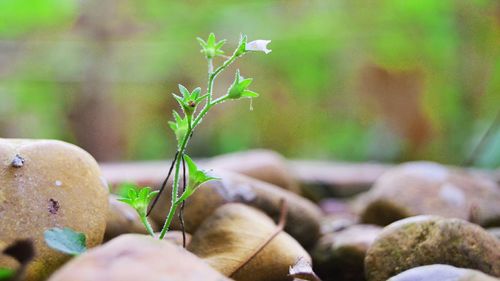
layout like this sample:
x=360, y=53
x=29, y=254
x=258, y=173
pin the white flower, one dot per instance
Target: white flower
x=258, y=45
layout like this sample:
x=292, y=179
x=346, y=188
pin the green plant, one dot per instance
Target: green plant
x=183, y=126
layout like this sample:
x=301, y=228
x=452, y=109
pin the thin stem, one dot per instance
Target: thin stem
x=163, y=185
x=181, y=211
x=146, y=223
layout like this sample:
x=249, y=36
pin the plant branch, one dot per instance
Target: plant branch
x=181, y=211
x=163, y=185
x=279, y=228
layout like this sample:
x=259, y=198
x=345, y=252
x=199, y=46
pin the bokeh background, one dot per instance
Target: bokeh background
x=350, y=80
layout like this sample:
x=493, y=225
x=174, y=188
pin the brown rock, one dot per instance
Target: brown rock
x=425, y=240
x=134, y=257
x=45, y=184
x=232, y=233
x=340, y=255
x=303, y=215
x=264, y=165
x=323, y=179
x=423, y=188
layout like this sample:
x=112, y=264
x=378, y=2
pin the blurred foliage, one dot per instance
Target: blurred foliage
x=355, y=80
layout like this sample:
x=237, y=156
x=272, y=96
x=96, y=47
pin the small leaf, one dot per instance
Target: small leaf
x=249, y=94
x=183, y=90
x=6, y=273
x=66, y=240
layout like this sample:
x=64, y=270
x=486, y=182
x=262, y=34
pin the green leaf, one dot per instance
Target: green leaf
x=249, y=94
x=196, y=176
x=242, y=46
x=66, y=240
x=239, y=88
x=185, y=93
x=6, y=273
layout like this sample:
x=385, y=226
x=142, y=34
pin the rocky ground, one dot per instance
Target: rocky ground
x=268, y=218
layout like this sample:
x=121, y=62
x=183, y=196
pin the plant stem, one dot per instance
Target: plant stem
x=146, y=223
x=192, y=124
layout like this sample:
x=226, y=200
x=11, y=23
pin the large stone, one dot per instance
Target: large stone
x=441, y=272
x=134, y=257
x=303, y=216
x=424, y=188
x=45, y=184
x=340, y=255
x=230, y=236
x=425, y=240
x=264, y=165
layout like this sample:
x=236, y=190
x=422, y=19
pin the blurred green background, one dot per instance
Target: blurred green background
x=353, y=80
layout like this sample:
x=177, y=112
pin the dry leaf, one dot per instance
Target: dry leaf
x=302, y=270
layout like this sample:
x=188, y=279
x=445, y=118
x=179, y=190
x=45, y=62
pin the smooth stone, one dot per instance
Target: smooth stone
x=231, y=235
x=425, y=240
x=340, y=255
x=441, y=272
x=426, y=188
x=261, y=164
x=56, y=184
x=133, y=257
x=324, y=179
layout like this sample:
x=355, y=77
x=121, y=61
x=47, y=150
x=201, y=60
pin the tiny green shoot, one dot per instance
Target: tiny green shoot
x=139, y=200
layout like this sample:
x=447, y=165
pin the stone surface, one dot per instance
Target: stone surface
x=425, y=240
x=323, y=179
x=121, y=219
x=441, y=272
x=134, y=257
x=340, y=255
x=55, y=185
x=425, y=188
x=264, y=165
x=303, y=216
x=233, y=232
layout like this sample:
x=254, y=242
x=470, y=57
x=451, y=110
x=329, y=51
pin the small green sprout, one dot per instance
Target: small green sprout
x=189, y=100
x=139, y=200
x=180, y=126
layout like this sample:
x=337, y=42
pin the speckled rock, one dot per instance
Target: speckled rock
x=121, y=219
x=441, y=272
x=233, y=232
x=133, y=257
x=425, y=240
x=340, y=255
x=425, y=188
x=303, y=215
x=46, y=184
x=261, y=164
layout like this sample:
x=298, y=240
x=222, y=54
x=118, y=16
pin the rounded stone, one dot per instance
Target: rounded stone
x=57, y=185
x=425, y=188
x=425, y=240
x=440, y=272
x=133, y=257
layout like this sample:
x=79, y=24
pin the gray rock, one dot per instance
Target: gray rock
x=425, y=188
x=340, y=255
x=441, y=272
x=425, y=240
